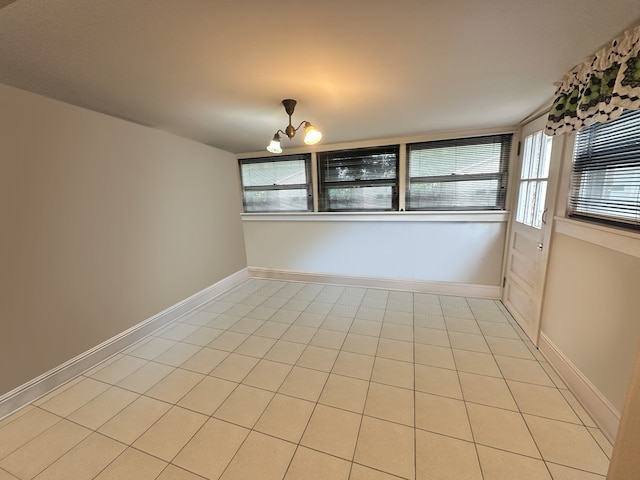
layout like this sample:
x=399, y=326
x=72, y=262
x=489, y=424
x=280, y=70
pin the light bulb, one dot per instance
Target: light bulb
x=274, y=146
x=311, y=135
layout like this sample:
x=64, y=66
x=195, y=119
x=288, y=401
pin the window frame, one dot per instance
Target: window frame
x=502, y=176
x=308, y=185
x=589, y=158
x=324, y=186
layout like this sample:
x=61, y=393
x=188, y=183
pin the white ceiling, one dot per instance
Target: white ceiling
x=216, y=70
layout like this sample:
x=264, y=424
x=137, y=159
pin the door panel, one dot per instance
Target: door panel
x=531, y=224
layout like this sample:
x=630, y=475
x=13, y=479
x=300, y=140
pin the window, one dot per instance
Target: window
x=533, y=180
x=605, y=179
x=364, y=179
x=461, y=174
x=276, y=185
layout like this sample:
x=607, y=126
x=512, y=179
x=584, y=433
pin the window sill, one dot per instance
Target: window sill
x=499, y=216
x=622, y=241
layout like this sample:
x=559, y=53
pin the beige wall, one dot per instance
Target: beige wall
x=104, y=224
x=591, y=311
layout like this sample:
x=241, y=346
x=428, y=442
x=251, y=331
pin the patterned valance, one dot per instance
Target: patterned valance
x=599, y=89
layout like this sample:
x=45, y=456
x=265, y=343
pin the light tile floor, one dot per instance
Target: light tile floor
x=283, y=380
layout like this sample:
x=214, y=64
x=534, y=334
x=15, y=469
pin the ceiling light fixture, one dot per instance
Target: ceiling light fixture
x=311, y=135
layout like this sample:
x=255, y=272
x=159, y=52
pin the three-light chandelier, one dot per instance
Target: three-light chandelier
x=311, y=135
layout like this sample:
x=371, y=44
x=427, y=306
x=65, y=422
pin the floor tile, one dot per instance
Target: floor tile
x=286, y=418
x=285, y=316
x=170, y=433
x=386, y=446
x=223, y=321
x=560, y=472
x=75, y=397
x=604, y=443
x=443, y=415
x=457, y=311
x=145, y=377
x=133, y=464
x=205, y=360
x=354, y=365
x=493, y=329
x=246, y=325
x=235, y=367
x=33, y=457
x=368, y=313
x=431, y=336
x=366, y=327
x=272, y=330
x=567, y=444
x=395, y=350
x=299, y=334
x=390, y=403
x=429, y=321
x=285, y=352
x=469, y=341
x=318, y=358
x=24, y=429
x=439, y=381
x=211, y=449
x=179, y=331
x=134, y=420
x=398, y=317
x=200, y=318
x=501, y=429
x=175, y=385
x=207, y=395
x=260, y=457
x=348, y=311
x=332, y=431
x=500, y=465
x=319, y=307
x=528, y=371
x=428, y=308
x=475, y=362
x=244, y=406
x=360, y=472
x=462, y=325
x=487, y=391
x=542, y=401
x=363, y=344
x=397, y=332
x=103, y=407
x=85, y=460
x=255, y=346
x=304, y=383
x=178, y=354
x=345, y=392
x=434, y=356
x=393, y=372
x=509, y=347
x=443, y=458
x=119, y=369
x=228, y=341
x=267, y=375
x=340, y=324
x=310, y=319
x=203, y=336
x=329, y=339
x=262, y=312
x=151, y=349
x=309, y=464
x=578, y=408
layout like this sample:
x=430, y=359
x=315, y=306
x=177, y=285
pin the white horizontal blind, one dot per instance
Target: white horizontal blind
x=605, y=179
x=364, y=179
x=459, y=174
x=276, y=185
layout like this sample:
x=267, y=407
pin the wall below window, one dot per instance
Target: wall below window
x=464, y=249
x=591, y=311
x=104, y=224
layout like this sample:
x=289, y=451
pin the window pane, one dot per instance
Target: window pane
x=467, y=173
x=606, y=172
x=471, y=194
x=371, y=167
x=274, y=173
x=361, y=198
x=275, y=200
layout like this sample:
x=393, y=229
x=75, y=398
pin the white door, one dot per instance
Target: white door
x=532, y=215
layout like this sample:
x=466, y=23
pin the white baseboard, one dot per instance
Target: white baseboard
x=36, y=388
x=606, y=416
x=422, y=286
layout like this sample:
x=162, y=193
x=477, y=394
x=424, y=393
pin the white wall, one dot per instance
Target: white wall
x=104, y=224
x=396, y=246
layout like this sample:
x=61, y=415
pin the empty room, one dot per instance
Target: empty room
x=339, y=241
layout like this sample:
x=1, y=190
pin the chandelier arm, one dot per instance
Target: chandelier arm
x=301, y=123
